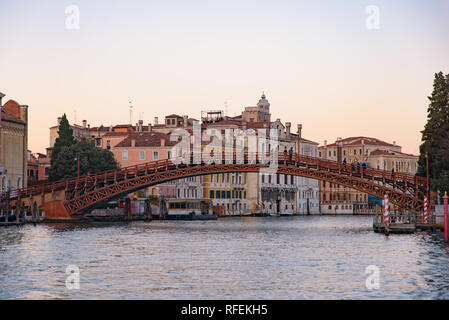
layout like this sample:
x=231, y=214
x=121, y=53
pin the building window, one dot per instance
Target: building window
x=211, y=194
x=169, y=154
x=108, y=144
x=173, y=121
x=168, y=121
x=142, y=155
x=155, y=155
x=125, y=155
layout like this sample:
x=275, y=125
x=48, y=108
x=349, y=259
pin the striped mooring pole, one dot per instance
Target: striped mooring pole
x=426, y=209
x=387, y=213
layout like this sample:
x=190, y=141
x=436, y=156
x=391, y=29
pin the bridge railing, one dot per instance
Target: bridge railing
x=245, y=157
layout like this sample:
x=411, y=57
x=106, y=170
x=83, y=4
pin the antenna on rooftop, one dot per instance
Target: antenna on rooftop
x=226, y=108
x=130, y=113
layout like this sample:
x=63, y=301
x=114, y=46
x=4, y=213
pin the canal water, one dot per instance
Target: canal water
x=305, y=257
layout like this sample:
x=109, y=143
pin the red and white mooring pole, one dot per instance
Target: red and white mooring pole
x=387, y=213
x=426, y=210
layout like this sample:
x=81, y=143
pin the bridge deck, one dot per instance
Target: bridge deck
x=346, y=174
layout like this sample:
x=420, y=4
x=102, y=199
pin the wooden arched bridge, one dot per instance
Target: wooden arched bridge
x=71, y=197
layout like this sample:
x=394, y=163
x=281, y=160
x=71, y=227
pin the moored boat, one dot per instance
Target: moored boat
x=190, y=209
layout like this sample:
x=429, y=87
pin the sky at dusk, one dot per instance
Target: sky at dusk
x=317, y=62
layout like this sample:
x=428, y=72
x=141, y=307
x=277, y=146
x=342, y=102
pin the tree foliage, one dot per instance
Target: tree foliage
x=435, y=135
x=91, y=160
x=65, y=153
x=65, y=139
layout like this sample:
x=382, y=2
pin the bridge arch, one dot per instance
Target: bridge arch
x=91, y=199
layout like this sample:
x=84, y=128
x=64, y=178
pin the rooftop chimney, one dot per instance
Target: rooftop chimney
x=325, y=143
x=156, y=120
x=185, y=121
x=110, y=128
x=1, y=96
x=59, y=120
x=287, y=127
x=84, y=124
x=394, y=143
x=150, y=127
x=140, y=125
x=299, y=132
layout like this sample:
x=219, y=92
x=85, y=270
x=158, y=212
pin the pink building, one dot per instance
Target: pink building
x=141, y=147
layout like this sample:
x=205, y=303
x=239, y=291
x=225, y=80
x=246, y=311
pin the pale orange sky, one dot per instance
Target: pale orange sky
x=316, y=61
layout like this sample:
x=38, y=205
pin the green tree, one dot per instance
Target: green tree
x=435, y=135
x=65, y=139
x=91, y=160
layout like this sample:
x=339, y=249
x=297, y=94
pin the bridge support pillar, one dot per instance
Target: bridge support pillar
x=55, y=210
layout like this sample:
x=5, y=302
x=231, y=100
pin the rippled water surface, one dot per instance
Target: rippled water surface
x=320, y=257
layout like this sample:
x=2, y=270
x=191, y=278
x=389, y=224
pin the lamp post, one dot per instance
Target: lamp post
x=77, y=158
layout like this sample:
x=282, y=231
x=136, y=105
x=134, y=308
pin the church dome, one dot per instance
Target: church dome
x=263, y=102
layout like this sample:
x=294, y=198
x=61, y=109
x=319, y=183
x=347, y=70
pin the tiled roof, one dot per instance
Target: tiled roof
x=115, y=134
x=379, y=152
x=173, y=116
x=355, y=141
x=146, y=139
x=258, y=124
x=222, y=123
x=9, y=117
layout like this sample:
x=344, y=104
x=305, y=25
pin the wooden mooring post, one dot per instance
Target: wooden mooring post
x=127, y=209
x=148, y=213
x=446, y=227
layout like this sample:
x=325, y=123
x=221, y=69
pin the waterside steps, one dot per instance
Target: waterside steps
x=404, y=223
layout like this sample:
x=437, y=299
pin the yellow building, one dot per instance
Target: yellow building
x=372, y=152
x=13, y=145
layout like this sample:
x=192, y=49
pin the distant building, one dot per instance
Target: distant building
x=372, y=152
x=80, y=133
x=33, y=169
x=13, y=145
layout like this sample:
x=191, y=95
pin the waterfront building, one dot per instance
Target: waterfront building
x=234, y=193
x=43, y=162
x=13, y=145
x=269, y=193
x=32, y=169
x=371, y=152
